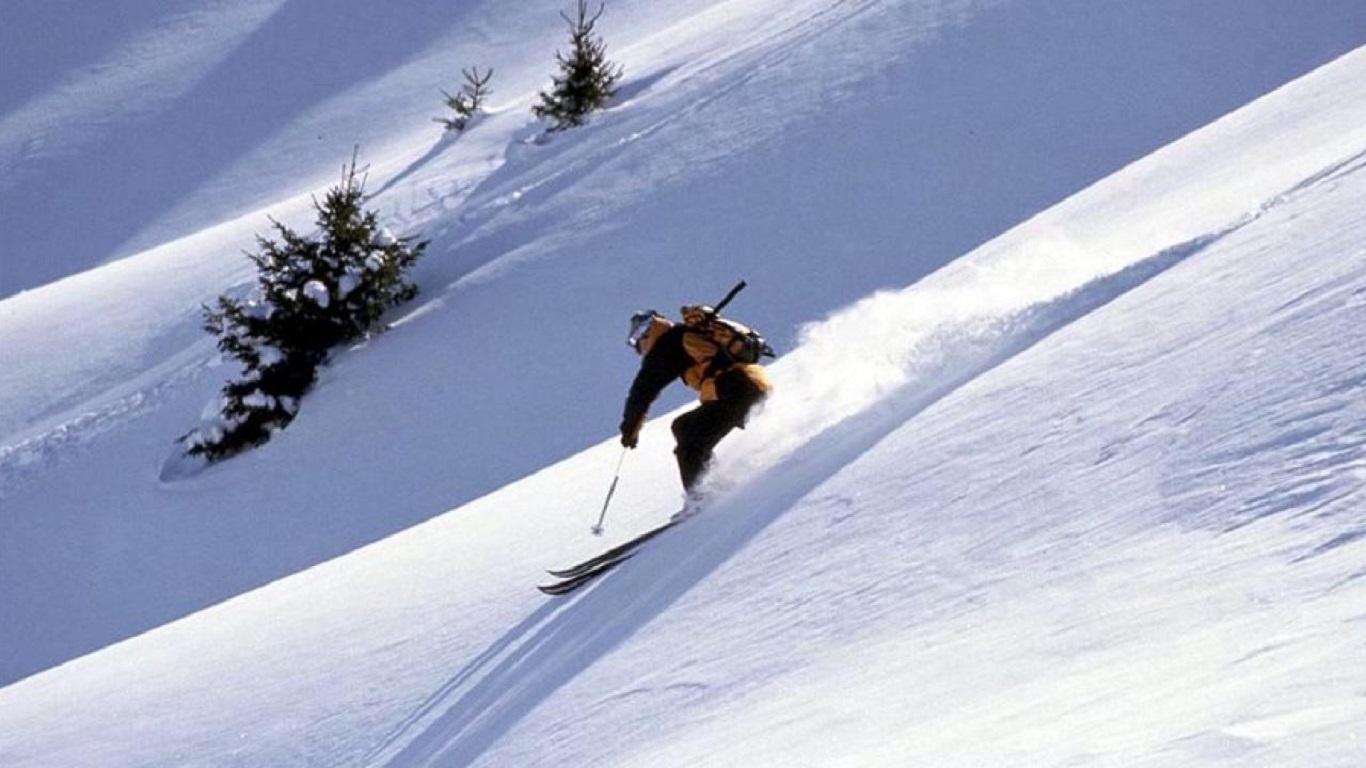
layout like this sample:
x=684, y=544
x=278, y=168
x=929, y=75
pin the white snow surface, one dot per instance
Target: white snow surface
x=1066, y=463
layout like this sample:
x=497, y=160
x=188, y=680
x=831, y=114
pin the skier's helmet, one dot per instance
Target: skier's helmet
x=640, y=327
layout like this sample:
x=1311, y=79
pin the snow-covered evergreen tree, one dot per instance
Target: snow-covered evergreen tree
x=587, y=80
x=311, y=294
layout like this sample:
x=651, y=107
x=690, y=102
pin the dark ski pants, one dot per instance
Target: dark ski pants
x=698, y=431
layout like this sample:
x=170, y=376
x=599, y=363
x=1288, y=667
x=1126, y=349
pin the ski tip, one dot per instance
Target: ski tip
x=558, y=589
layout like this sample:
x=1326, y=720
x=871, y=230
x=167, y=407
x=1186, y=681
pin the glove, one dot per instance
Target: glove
x=630, y=433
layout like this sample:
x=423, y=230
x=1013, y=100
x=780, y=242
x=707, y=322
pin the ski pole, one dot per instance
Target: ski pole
x=597, y=529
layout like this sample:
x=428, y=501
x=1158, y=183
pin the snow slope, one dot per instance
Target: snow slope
x=739, y=151
x=1118, y=527
x=1083, y=496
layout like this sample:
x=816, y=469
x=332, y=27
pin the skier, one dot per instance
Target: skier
x=718, y=358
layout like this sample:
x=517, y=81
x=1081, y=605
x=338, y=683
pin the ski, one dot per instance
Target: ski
x=615, y=553
x=570, y=584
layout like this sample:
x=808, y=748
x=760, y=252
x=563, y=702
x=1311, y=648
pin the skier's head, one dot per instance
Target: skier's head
x=646, y=328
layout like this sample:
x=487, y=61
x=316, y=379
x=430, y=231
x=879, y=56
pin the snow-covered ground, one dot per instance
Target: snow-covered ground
x=1048, y=479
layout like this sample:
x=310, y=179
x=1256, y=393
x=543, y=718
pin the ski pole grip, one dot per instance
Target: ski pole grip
x=740, y=286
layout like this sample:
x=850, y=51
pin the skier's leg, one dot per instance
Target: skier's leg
x=691, y=453
x=698, y=432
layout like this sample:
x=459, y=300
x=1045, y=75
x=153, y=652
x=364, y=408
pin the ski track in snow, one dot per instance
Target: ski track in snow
x=29, y=457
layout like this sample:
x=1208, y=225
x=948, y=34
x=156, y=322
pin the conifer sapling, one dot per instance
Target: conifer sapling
x=587, y=80
x=311, y=295
x=469, y=102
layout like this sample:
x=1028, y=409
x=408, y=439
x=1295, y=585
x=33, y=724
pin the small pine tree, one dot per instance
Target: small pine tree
x=587, y=80
x=311, y=295
x=469, y=102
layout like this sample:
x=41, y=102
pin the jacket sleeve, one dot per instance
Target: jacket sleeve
x=665, y=362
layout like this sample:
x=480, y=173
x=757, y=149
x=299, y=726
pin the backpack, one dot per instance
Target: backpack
x=722, y=342
x=738, y=341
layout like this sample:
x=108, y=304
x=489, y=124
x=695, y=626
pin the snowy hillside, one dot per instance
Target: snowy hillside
x=1087, y=492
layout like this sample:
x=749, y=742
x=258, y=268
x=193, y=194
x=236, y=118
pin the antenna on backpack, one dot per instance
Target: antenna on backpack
x=740, y=286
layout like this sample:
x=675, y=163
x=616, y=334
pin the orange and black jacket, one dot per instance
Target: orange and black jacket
x=715, y=377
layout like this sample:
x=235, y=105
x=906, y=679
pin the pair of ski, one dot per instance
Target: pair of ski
x=576, y=576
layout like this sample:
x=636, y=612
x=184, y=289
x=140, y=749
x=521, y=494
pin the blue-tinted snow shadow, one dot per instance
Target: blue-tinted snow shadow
x=140, y=167
x=41, y=42
x=559, y=640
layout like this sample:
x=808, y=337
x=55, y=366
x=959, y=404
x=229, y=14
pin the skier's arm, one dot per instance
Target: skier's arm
x=665, y=362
